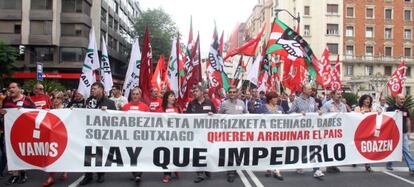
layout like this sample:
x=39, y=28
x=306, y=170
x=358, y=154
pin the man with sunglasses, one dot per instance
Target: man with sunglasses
x=232, y=105
x=200, y=105
x=40, y=99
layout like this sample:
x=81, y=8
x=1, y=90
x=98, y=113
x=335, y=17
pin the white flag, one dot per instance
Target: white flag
x=173, y=68
x=132, y=76
x=253, y=74
x=90, y=64
x=106, y=75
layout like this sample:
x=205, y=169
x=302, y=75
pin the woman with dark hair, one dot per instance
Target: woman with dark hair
x=272, y=106
x=365, y=105
x=169, y=105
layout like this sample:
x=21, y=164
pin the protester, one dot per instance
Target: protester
x=77, y=101
x=272, y=107
x=200, y=105
x=15, y=99
x=232, y=105
x=364, y=106
x=255, y=103
x=169, y=105
x=306, y=104
x=40, y=99
x=136, y=105
x=57, y=104
x=399, y=107
x=155, y=101
x=118, y=98
x=97, y=100
x=382, y=105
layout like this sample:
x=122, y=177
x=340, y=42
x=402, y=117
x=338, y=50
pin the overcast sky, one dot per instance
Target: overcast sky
x=226, y=13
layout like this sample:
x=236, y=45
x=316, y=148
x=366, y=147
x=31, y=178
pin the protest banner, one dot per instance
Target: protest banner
x=85, y=140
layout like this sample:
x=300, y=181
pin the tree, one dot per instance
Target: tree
x=49, y=85
x=8, y=56
x=162, y=29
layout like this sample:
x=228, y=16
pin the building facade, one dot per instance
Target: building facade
x=378, y=36
x=55, y=33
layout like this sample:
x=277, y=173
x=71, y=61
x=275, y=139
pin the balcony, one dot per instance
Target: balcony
x=376, y=59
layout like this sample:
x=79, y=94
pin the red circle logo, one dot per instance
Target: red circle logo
x=39, y=138
x=376, y=142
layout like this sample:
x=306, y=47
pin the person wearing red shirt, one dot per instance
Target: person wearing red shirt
x=40, y=99
x=136, y=103
x=169, y=105
x=155, y=101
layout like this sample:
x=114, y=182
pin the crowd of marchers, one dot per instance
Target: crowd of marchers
x=235, y=101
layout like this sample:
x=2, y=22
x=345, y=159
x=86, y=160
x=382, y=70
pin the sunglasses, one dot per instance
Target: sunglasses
x=232, y=91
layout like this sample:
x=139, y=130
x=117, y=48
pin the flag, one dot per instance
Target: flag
x=186, y=81
x=238, y=72
x=158, y=78
x=132, y=75
x=106, y=75
x=336, y=84
x=90, y=64
x=146, y=68
x=396, y=82
x=215, y=72
x=175, y=68
x=196, y=78
x=249, y=48
x=253, y=74
x=289, y=44
x=325, y=69
x=293, y=74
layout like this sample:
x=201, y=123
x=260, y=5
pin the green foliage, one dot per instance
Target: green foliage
x=409, y=101
x=8, y=56
x=162, y=29
x=351, y=98
x=50, y=85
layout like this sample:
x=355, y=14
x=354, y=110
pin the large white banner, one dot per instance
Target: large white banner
x=85, y=140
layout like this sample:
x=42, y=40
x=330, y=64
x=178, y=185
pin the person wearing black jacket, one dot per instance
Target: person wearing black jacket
x=97, y=100
x=200, y=105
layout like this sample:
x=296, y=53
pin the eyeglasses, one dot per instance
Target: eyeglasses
x=232, y=92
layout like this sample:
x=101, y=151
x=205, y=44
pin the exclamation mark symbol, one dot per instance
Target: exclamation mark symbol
x=378, y=123
x=38, y=121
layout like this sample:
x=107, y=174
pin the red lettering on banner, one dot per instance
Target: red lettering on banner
x=283, y=135
x=377, y=147
x=230, y=136
x=38, y=138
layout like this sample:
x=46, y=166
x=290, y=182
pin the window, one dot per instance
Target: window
x=332, y=9
x=349, y=50
x=408, y=71
x=332, y=29
x=103, y=15
x=115, y=25
x=407, y=34
x=369, y=51
x=369, y=32
x=387, y=70
x=10, y=27
x=349, y=31
x=72, y=6
x=388, y=33
x=72, y=54
x=333, y=48
x=407, y=52
x=111, y=21
x=307, y=30
x=41, y=27
x=349, y=70
x=388, y=51
x=407, y=15
x=369, y=70
x=41, y=4
x=407, y=90
x=369, y=13
x=71, y=29
x=350, y=12
x=307, y=11
x=388, y=13
x=8, y=4
x=44, y=53
x=17, y=28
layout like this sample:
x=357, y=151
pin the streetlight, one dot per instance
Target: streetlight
x=297, y=18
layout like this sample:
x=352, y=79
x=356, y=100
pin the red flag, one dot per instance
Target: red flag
x=336, y=84
x=249, y=48
x=395, y=84
x=221, y=43
x=158, y=78
x=146, y=67
x=196, y=78
x=324, y=70
x=294, y=74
